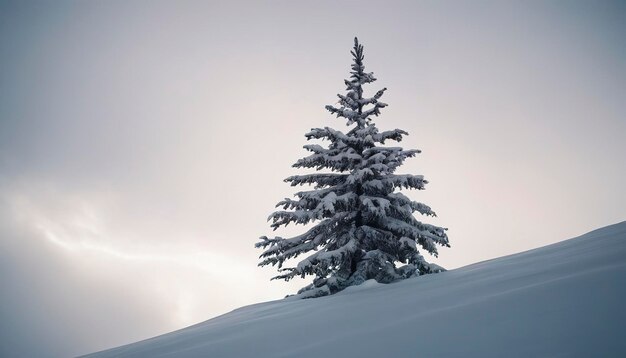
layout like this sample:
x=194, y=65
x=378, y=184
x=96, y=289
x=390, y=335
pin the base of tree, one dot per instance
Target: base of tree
x=367, y=269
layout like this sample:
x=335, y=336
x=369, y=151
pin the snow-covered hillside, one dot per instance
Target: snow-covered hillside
x=565, y=300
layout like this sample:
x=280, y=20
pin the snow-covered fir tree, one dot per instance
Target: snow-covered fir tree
x=365, y=229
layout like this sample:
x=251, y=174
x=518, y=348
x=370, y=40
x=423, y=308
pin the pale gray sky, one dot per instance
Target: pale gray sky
x=144, y=143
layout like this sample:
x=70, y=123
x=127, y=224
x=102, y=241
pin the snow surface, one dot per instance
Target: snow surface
x=562, y=300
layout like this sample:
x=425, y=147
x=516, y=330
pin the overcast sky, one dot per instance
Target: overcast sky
x=143, y=144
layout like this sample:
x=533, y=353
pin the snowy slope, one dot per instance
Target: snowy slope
x=565, y=300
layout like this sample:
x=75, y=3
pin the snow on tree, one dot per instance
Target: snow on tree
x=365, y=227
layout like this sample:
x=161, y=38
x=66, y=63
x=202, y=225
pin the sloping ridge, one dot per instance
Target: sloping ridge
x=567, y=300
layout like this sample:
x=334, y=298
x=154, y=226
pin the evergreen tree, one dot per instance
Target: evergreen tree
x=364, y=226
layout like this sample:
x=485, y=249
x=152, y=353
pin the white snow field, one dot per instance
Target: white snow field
x=562, y=300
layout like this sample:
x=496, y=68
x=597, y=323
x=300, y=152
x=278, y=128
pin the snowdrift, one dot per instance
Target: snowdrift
x=565, y=300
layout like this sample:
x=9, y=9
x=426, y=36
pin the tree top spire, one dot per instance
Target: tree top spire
x=353, y=103
x=357, y=51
